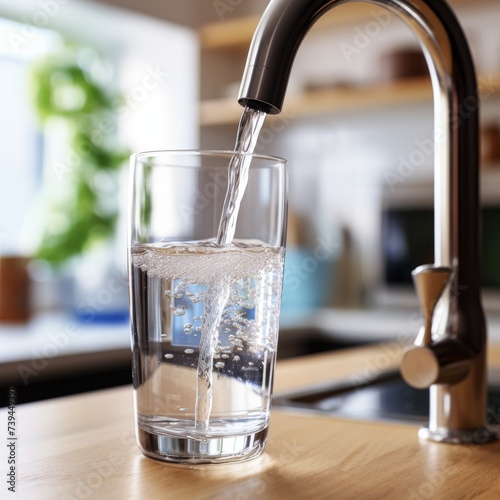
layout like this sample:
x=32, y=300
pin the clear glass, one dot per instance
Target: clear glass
x=204, y=317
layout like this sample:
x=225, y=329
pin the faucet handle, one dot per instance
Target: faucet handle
x=427, y=362
x=430, y=282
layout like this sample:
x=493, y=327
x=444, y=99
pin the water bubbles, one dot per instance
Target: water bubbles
x=186, y=279
x=179, y=311
x=174, y=294
x=238, y=343
x=197, y=297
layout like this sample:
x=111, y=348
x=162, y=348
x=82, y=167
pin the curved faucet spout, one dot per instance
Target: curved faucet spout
x=458, y=408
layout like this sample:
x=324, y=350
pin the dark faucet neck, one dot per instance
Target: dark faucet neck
x=276, y=41
x=285, y=23
x=274, y=46
x=457, y=409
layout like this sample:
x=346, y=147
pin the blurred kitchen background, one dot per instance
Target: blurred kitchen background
x=84, y=84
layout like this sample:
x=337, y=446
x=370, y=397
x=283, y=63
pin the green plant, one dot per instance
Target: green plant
x=70, y=85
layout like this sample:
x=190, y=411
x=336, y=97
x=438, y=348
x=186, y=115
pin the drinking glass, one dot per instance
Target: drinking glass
x=204, y=316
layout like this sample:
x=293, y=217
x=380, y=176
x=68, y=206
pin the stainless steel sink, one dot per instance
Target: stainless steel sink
x=385, y=397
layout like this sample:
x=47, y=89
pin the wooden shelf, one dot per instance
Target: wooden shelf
x=237, y=33
x=317, y=102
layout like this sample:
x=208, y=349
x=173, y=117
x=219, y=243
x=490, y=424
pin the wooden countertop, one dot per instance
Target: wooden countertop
x=83, y=446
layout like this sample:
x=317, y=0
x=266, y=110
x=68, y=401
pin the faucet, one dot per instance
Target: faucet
x=449, y=354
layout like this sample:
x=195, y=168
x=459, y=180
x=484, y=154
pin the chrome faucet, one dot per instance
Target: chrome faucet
x=449, y=355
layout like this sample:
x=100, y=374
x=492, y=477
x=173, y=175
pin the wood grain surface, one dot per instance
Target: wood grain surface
x=83, y=447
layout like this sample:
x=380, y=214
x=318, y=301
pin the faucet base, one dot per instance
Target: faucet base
x=480, y=435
